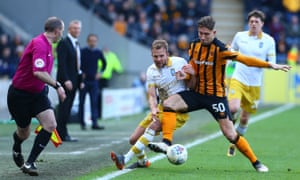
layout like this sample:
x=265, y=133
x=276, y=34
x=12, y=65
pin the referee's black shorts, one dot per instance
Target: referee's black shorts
x=24, y=105
x=217, y=106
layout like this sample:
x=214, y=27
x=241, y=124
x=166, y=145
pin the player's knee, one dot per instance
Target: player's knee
x=24, y=133
x=244, y=117
x=234, y=109
x=155, y=126
x=50, y=126
x=168, y=106
x=132, y=140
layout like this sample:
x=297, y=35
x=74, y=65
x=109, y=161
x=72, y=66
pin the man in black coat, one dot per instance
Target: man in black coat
x=69, y=74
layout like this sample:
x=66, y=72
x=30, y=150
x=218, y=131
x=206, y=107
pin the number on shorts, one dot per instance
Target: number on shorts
x=218, y=107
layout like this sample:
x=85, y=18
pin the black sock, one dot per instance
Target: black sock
x=167, y=142
x=40, y=142
x=17, y=143
x=256, y=163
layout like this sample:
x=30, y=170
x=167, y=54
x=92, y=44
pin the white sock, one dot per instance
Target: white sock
x=140, y=145
x=241, y=129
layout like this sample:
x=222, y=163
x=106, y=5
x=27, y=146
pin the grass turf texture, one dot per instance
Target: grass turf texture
x=274, y=141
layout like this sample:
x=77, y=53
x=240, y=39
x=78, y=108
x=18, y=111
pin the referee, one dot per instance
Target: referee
x=28, y=94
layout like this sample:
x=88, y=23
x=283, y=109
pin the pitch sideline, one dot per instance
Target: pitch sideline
x=202, y=140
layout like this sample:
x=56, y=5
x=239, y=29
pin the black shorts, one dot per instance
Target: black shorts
x=217, y=106
x=24, y=105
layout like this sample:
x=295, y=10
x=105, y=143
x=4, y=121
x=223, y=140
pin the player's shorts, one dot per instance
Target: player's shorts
x=217, y=106
x=249, y=95
x=181, y=118
x=23, y=105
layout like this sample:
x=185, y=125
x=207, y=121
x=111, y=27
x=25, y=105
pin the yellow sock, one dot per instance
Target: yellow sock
x=168, y=122
x=244, y=147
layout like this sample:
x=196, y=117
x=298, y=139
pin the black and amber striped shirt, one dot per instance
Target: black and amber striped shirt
x=209, y=63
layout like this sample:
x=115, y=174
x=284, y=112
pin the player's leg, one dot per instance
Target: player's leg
x=249, y=105
x=171, y=105
x=249, y=102
x=241, y=143
x=19, y=136
x=18, y=106
x=138, y=149
x=235, y=94
x=140, y=139
x=47, y=120
x=243, y=125
x=168, y=130
x=137, y=133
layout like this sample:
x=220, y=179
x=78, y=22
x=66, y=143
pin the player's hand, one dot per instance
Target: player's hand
x=98, y=76
x=68, y=84
x=180, y=75
x=282, y=67
x=155, y=113
x=82, y=85
x=188, y=69
x=61, y=93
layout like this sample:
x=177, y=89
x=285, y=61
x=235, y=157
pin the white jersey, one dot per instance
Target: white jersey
x=262, y=47
x=164, y=79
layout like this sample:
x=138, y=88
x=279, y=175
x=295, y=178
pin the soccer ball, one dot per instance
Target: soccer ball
x=177, y=154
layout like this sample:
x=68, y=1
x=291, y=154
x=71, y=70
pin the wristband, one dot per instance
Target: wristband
x=57, y=85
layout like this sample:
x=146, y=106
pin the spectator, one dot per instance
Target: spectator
x=69, y=74
x=281, y=52
x=89, y=66
x=293, y=30
x=4, y=42
x=120, y=25
x=276, y=27
x=140, y=81
x=8, y=63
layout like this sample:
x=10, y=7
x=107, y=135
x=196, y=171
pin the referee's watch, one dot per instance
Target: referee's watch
x=57, y=85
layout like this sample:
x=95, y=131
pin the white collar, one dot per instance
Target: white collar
x=73, y=40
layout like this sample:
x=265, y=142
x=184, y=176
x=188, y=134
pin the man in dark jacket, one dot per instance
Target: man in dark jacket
x=90, y=56
x=69, y=74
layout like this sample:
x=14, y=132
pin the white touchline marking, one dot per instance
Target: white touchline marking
x=202, y=140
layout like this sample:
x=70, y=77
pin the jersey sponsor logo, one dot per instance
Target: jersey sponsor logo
x=39, y=63
x=203, y=62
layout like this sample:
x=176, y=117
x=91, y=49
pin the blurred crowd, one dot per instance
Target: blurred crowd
x=174, y=21
x=146, y=20
x=11, y=49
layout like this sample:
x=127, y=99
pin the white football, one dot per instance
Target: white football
x=177, y=154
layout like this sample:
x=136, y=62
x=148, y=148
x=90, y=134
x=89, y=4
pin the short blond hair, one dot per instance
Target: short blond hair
x=160, y=43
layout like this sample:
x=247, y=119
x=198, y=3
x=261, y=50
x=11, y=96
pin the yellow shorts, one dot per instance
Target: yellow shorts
x=181, y=118
x=249, y=95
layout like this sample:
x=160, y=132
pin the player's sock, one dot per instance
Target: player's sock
x=141, y=156
x=140, y=145
x=40, y=142
x=168, y=123
x=244, y=147
x=17, y=143
x=241, y=129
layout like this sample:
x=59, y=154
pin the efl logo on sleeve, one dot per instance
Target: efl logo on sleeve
x=39, y=63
